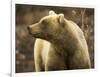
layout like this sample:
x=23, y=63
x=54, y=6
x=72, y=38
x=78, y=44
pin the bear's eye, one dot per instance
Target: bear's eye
x=44, y=22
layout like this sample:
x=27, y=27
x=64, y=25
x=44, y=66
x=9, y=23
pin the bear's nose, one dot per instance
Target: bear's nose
x=29, y=29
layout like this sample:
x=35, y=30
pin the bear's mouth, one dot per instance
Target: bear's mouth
x=36, y=35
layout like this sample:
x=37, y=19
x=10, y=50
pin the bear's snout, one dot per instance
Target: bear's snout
x=34, y=30
x=28, y=27
x=29, y=30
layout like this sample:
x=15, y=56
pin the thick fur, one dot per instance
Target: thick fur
x=60, y=44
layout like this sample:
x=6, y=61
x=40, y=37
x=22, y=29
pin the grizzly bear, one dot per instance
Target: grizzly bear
x=60, y=44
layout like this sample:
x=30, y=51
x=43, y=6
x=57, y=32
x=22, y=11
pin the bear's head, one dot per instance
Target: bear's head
x=49, y=27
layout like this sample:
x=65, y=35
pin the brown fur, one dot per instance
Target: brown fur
x=60, y=44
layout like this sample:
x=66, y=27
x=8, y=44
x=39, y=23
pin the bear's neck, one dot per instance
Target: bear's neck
x=65, y=45
x=66, y=42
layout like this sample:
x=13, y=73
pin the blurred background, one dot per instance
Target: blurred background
x=30, y=14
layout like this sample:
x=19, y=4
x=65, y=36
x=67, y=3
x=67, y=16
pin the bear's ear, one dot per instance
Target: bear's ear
x=52, y=12
x=61, y=18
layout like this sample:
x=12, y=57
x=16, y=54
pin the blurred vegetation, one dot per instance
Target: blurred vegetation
x=29, y=14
